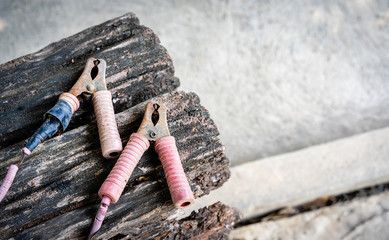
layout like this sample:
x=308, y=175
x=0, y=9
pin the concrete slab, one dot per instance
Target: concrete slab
x=365, y=218
x=292, y=179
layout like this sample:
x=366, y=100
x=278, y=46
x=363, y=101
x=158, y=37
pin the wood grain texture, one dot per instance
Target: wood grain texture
x=138, y=68
x=57, y=185
x=213, y=222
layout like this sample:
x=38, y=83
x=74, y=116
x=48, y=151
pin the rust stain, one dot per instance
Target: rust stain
x=90, y=82
x=142, y=179
x=162, y=236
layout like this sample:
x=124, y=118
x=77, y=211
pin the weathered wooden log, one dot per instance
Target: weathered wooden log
x=54, y=195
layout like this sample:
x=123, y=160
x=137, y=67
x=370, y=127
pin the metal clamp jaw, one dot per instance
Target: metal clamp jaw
x=92, y=78
x=154, y=124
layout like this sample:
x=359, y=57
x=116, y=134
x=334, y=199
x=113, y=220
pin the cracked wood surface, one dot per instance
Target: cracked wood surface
x=54, y=195
x=213, y=222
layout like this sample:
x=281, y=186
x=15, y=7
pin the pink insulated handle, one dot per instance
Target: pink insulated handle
x=9, y=178
x=117, y=179
x=110, y=142
x=178, y=183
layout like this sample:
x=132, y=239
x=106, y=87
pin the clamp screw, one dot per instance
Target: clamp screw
x=152, y=134
x=90, y=87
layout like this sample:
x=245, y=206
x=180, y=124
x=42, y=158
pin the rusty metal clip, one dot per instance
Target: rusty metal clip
x=154, y=124
x=92, y=78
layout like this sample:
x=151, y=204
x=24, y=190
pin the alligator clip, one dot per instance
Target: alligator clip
x=91, y=83
x=153, y=128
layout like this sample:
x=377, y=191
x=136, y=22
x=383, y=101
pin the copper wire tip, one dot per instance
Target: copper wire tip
x=21, y=159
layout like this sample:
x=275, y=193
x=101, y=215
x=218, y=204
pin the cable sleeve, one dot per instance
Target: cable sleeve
x=110, y=142
x=180, y=190
x=117, y=179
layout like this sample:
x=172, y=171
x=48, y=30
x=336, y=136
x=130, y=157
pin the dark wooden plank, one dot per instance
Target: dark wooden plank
x=212, y=222
x=55, y=193
x=138, y=68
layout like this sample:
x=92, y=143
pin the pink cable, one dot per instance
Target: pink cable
x=9, y=178
x=105, y=202
x=180, y=190
x=117, y=179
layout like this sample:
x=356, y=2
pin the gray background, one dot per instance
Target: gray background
x=276, y=76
